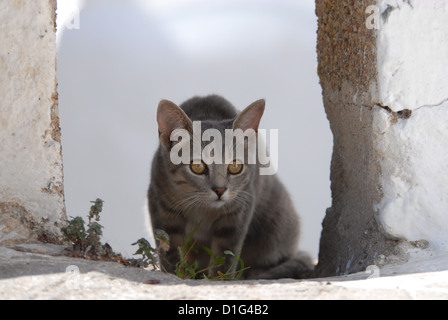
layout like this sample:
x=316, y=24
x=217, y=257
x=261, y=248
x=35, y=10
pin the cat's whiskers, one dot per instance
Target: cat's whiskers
x=195, y=201
x=182, y=205
x=243, y=198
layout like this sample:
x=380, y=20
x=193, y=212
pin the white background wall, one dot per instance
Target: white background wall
x=129, y=54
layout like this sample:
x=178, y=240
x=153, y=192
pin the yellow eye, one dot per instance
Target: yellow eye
x=235, y=167
x=199, y=168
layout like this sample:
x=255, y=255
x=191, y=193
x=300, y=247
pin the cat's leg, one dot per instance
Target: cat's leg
x=228, y=234
x=300, y=266
x=174, y=226
x=169, y=259
x=226, y=239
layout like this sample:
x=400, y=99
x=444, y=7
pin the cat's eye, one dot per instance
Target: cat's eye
x=198, y=168
x=235, y=167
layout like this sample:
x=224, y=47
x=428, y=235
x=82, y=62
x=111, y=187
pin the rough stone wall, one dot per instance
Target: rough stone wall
x=347, y=71
x=31, y=176
x=388, y=174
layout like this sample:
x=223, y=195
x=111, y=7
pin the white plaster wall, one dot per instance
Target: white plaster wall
x=413, y=74
x=413, y=53
x=30, y=150
x=415, y=175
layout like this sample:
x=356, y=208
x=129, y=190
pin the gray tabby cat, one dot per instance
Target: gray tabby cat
x=234, y=207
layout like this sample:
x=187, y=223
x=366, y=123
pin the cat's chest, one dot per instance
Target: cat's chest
x=203, y=227
x=200, y=230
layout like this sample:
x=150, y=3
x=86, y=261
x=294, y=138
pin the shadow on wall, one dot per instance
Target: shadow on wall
x=127, y=55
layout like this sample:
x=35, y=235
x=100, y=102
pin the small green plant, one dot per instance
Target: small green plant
x=75, y=232
x=187, y=269
x=87, y=243
x=150, y=256
x=230, y=274
x=184, y=268
x=146, y=251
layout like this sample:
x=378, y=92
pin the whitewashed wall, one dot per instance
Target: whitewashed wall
x=385, y=92
x=412, y=51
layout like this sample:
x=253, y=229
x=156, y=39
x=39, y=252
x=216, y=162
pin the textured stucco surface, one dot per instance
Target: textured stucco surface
x=31, y=177
x=413, y=78
x=346, y=50
x=412, y=53
x=414, y=176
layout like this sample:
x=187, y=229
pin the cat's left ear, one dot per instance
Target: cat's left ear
x=250, y=117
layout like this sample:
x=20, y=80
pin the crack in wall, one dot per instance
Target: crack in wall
x=407, y=113
x=402, y=114
x=433, y=105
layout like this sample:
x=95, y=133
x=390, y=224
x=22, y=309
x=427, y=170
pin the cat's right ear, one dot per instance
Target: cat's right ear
x=169, y=118
x=250, y=117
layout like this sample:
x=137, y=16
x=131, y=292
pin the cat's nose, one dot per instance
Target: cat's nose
x=219, y=191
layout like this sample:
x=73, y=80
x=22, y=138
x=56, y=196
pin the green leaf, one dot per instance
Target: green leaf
x=179, y=273
x=242, y=269
x=95, y=228
x=96, y=209
x=218, y=261
x=162, y=239
x=209, y=251
x=161, y=235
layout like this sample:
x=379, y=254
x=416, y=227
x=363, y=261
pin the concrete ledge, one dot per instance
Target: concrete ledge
x=35, y=273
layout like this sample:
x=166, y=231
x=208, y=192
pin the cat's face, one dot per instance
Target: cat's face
x=206, y=183
x=214, y=185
